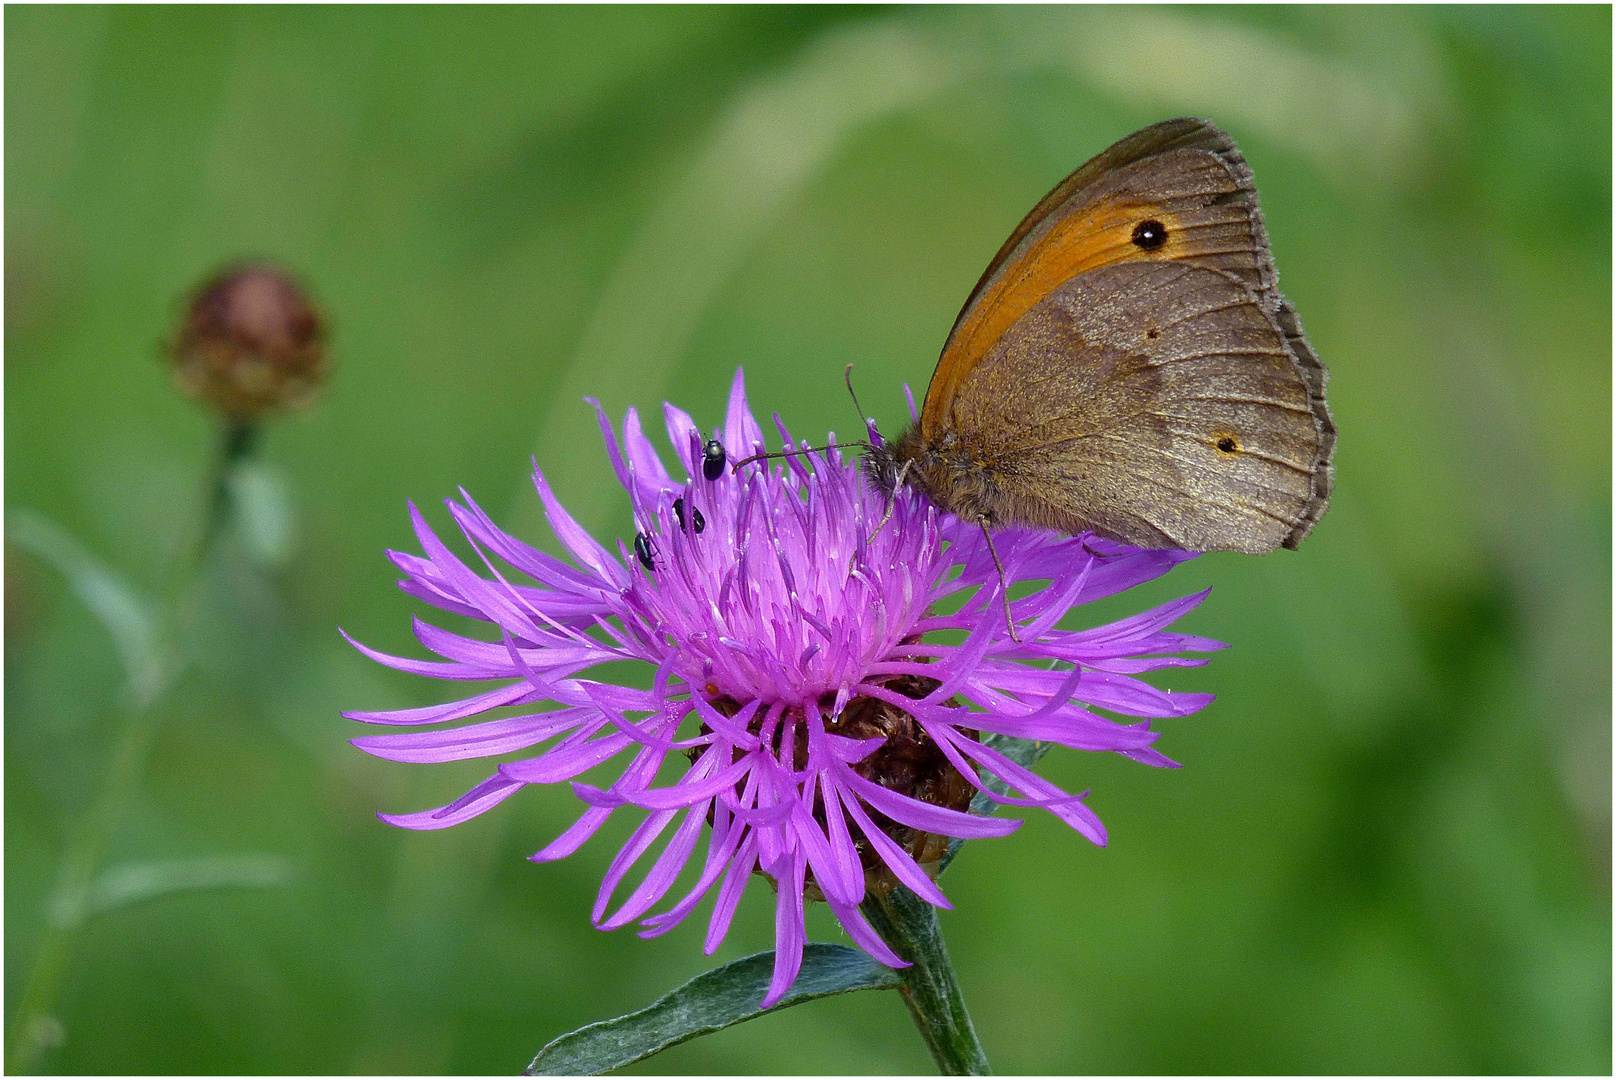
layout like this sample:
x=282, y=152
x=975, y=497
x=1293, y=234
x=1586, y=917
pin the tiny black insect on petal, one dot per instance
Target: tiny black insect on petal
x=695, y=515
x=712, y=459
x=1149, y=235
x=642, y=550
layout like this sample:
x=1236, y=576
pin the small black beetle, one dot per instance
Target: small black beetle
x=643, y=550
x=712, y=462
x=679, y=512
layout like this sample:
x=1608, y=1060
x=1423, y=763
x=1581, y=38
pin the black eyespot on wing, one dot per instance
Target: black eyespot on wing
x=1228, y=445
x=1149, y=235
x=712, y=459
x=643, y=550
x=1153, y=333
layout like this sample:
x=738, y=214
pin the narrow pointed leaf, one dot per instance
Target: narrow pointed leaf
x=710, y=1002
x=125, y=614
x=132, y=883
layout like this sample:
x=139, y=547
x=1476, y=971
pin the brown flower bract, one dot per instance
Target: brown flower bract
x=251, y=343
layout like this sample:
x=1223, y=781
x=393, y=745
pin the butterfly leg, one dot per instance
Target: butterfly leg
x=1004, y=589
x=1099, y=554
x=886, y=517
x=891, y=502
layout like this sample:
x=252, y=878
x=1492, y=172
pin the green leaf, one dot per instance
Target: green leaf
x=131, y=883
x=710, y=1002
x=126, y=615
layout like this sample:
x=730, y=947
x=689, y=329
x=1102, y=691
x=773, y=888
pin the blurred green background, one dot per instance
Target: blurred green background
x=1389, y=849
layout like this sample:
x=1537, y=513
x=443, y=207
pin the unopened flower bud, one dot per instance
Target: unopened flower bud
x=251, y=343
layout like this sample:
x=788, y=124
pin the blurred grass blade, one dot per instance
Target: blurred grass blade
x=710, y=1002
x=127, y=616
x=1364, y=117
x=774, y=139
x=130, y=883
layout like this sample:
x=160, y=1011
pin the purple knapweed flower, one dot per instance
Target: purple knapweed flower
x=828, y=681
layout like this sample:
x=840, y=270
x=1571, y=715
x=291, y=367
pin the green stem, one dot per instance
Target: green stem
x=929, y=988
x=32, y=1026
x=33, y=1029
x=238, y=439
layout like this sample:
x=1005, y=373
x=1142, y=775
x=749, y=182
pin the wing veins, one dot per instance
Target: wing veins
x=1216, y=352
x=1285, y=405
x=1197, y=466
x=1258, y=454
x=1202, y=498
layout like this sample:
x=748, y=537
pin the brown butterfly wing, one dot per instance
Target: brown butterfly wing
x=1158, y=404
x=1183, y=174
x=1315, y=375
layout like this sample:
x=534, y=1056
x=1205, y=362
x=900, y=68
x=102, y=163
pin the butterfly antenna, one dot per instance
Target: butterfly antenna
x=847, y=377
x=1004, y=590
x=798, y=450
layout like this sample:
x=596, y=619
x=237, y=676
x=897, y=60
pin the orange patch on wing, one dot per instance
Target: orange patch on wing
x=1085, y=241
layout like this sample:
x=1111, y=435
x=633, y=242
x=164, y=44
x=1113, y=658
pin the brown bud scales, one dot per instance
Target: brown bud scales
x=251, y=343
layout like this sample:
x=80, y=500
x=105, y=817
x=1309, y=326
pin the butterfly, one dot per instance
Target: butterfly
x=1127, y=368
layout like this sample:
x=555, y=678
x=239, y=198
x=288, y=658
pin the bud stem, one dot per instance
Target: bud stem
x=238, y=439
x=909, y=925
x=92, y=834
